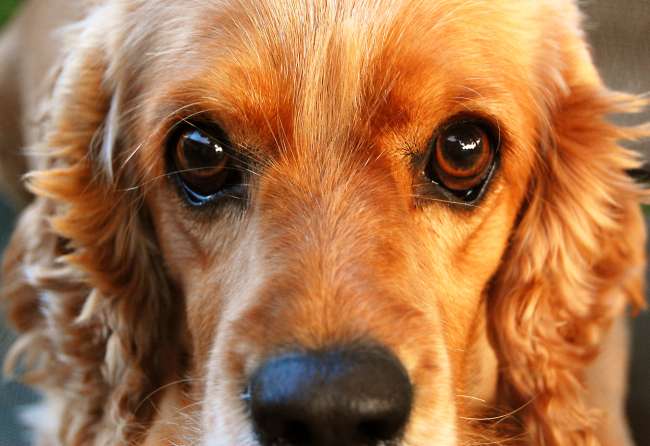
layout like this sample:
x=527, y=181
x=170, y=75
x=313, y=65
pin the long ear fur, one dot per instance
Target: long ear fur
x=576, y=258
x=84, y=283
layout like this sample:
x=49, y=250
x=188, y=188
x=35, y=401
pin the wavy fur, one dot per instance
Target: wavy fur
x=105, y=320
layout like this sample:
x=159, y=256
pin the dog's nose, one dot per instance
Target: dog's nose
x=343, y=397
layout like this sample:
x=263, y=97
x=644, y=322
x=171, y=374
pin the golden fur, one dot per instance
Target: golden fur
x=141, y=321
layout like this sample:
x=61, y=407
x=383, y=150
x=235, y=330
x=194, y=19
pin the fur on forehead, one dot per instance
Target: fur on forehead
x=344, y=58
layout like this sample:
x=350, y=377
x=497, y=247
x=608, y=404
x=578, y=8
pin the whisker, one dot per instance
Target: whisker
x=474, y=398
x=440, y=200
x=163, y=387
x=500, y=417
x=172, y=173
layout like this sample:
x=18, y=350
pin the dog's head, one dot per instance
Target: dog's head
x=324, y=223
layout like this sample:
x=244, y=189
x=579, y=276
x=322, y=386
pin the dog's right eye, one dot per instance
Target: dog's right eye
x=204, y=167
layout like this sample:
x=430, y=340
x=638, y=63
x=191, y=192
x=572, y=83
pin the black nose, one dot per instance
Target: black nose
x=344, y=397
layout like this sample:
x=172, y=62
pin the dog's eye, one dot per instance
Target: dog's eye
x=461, y=158
x=204, y=167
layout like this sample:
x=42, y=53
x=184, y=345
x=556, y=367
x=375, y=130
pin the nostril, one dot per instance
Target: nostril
x=280, y=428
x=333, y=398
x=297, y=432
x=377, y=430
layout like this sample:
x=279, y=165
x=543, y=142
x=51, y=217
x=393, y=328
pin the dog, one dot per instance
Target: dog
x=332, y=223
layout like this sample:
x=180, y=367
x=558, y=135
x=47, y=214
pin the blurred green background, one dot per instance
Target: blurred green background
x=618, y=30
x=6, y=8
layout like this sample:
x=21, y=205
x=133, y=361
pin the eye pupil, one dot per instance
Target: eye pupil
x=463, y=148
x=199, y=154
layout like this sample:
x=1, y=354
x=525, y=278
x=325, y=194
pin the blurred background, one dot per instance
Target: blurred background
x=619, y=31
x=12, y=395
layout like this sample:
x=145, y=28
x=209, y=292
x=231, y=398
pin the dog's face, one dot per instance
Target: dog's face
x=342, y=176
x=356, y=214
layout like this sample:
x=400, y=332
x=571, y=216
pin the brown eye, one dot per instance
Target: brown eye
x=204, y=167
x=461, y=159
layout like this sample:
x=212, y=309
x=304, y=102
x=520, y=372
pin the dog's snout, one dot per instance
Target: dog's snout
x=342, y=397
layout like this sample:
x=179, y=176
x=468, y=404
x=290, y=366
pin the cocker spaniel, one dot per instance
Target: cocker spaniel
x=319, y=223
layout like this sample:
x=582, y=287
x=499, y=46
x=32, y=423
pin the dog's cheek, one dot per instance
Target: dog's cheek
x=458, y=253
x=197, y=264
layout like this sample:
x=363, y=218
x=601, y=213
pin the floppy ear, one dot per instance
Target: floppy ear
x=576, y=257
x=83, y=279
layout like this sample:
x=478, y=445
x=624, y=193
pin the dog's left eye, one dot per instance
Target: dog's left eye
x=203, y=166
x=461, y=158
